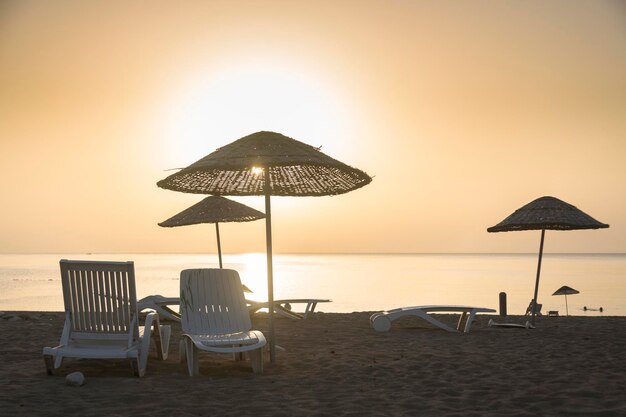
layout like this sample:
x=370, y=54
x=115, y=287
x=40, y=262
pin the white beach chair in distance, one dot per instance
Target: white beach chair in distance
x=215, y=318
x=101, y=317
x=381, y=322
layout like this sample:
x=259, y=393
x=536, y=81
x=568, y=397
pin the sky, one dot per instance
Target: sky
x=461, y=111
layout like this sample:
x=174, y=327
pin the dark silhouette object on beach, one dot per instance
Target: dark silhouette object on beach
x=214, y=209
x=565, y=290
x=536, y=306
x=546, y=213
x=593, y=309
x=267, y=164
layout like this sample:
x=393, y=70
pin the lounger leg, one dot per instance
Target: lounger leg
x=463, y=315
x=136, y=367
x=49, y=364
x=162, y=334
x=470, y=319
x=191, y=354
x=310, y=308
x=195, y=362
x=58, y=361
x=256, y=359
x=181, y=351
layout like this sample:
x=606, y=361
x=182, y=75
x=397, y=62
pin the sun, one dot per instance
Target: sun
x=215, y=108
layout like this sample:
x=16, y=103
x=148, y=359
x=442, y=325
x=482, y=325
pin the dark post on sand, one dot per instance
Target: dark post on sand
x=503, y=304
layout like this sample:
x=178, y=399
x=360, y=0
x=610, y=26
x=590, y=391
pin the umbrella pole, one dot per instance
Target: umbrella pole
x=219, y=246
x=543, y=234
x=566, y=309
x=270, y=273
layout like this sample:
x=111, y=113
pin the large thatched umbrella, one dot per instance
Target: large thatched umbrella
x=214, y=209
x=565, y=290
x=546, y=213
x=267, y=163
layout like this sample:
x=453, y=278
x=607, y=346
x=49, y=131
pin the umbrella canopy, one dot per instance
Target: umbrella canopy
x=214, y=209
x=565, y=290
x=546, y=213
x=267, y=163
x=293, y=169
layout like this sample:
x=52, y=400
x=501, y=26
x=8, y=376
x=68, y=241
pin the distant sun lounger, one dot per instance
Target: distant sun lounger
x=382, y=321
x=161, y=305
x=526, y=325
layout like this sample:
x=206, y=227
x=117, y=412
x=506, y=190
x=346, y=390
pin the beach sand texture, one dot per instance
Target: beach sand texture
x=337, y=365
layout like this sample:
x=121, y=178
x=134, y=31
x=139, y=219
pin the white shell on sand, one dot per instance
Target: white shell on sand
x=75, y=379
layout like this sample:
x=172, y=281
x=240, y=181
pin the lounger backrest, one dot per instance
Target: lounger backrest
x=212, y=302
x=100, y=296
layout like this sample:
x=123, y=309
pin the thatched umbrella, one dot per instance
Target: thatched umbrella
x=565, y=290
x=214, y=209
x=267, y=163
x=546, y=213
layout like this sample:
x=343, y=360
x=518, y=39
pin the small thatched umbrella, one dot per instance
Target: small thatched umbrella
x=546, y=213
x=565, y=290
x=214, y=209
x=267, y=163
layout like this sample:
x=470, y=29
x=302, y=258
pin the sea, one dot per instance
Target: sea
x=355, y=282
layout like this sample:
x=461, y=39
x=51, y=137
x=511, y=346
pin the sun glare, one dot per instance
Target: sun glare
x=254, y=273
x=257, y=170
x=213, y=109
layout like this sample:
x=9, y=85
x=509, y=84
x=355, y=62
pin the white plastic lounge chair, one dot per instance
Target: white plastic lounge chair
x=382, y=321
x=283, y=307
x=101, y=317
x=161, y=305
x=215, y=318
x=526, y=325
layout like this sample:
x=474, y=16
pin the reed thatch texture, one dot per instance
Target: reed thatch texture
x=293, y=168
x=214, y=209
x=548, y=213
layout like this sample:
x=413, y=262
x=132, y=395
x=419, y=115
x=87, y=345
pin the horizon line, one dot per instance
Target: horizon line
x=311, y=253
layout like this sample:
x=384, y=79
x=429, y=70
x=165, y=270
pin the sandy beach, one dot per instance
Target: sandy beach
x=336, y=364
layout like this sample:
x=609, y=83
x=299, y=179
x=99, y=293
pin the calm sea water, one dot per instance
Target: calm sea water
x=354, y=282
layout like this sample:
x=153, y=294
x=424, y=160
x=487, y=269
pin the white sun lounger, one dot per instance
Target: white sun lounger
x=161, y=305
x=215, y=318
x=382, y=321
x=101, y=317
x=283, y=307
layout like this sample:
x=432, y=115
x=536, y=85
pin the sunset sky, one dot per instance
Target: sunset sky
x=461, y=111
